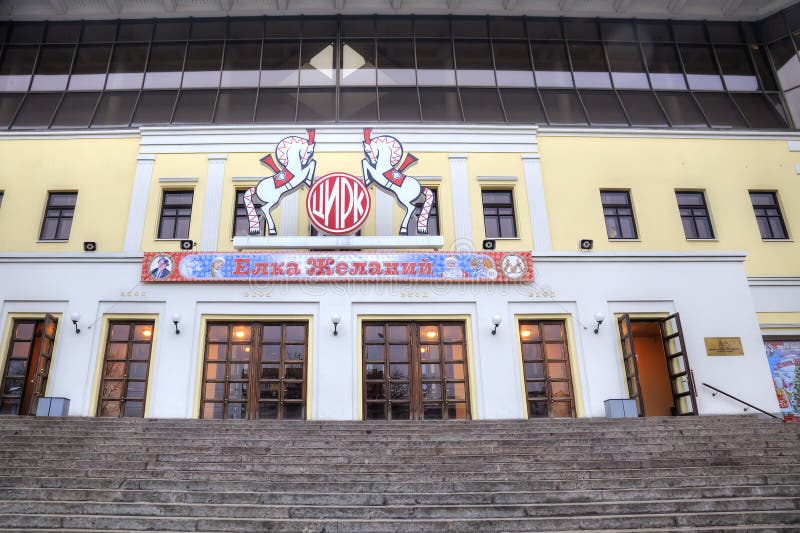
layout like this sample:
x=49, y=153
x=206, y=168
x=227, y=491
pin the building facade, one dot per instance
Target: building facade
x=544, y=213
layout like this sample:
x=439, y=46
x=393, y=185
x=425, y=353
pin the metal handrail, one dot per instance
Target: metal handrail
x=740, y=401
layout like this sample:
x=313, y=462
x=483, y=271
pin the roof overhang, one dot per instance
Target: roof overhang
x=659, y=9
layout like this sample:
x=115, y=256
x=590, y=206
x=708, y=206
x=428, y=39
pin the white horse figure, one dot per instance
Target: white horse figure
x=295, y=154
x=383, y=153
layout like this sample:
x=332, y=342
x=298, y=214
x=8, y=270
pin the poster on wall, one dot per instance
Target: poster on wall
x=784, y=363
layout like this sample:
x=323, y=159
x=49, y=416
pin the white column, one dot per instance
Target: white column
x=384, y=211
x=212, y=208
x=138, y=207
x=289, y=210
x=537, y=205
x=461, y=205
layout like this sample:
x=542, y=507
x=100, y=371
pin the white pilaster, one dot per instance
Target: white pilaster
x=384, y=209
x=537, y=207
x=213, y=204
x=138, y=207
x=289, y=209
x=461, y=205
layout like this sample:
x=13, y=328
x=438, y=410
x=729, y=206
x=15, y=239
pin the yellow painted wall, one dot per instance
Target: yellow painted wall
x=574, y=169
x=510, y=165
x=175, y=166
x=100, y=170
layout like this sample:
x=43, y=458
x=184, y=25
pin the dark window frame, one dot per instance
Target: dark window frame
x=692, y=213
x=165, y=214
x=499, y=211
x=772, y=217
x=616, y=212
x=57, y=213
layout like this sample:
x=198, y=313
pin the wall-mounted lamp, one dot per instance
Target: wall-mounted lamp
x=175, y=319
x=496, y=320
x=75, y=318
x=335, y=319
x=598, y=317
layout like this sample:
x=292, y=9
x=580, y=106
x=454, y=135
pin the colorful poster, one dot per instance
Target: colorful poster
x=277, y=267
x=784, y=362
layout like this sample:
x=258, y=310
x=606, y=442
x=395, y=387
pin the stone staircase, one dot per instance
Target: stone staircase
x=655, y=474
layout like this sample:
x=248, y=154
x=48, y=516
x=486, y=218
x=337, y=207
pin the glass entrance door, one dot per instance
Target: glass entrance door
x=415, y=371
x=255, y=370
x=27, y=366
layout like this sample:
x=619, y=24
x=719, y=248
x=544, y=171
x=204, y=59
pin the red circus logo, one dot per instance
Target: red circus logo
x=338, y=203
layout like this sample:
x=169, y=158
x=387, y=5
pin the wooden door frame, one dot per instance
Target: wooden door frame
x=469, y=359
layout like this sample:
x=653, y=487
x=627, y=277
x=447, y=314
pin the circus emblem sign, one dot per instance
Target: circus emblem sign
x=338, y=203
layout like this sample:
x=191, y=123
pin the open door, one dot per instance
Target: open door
x=40, y=364
x=629, y=360
x=680, y=375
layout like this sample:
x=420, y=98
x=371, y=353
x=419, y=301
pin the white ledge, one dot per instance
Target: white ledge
x=335, y=242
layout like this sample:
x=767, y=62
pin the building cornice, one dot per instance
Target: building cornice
x=659, y=9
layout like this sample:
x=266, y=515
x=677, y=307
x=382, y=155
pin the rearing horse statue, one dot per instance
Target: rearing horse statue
x=295, y=155
x=382, y=154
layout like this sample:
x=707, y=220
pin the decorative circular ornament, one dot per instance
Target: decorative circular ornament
x=338, y=203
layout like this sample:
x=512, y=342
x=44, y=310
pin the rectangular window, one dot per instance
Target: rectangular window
x=433, y=216
x=125, y=369
x=498, y=214
x=58, y=216
x=618, y=212
x=694, y=215
x=176, y=213
x=241, y=224
x=768, y=215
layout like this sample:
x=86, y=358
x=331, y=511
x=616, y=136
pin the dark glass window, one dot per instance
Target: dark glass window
x=58, y=216
x=127, y=67
x=664, y=66
x=563, y=107
x=241, y=224
x=603, y=108
x=618, y=213
x=316, y=105
x=433, y=216
x=720, y=110
x=9, y=103
x=643, y=108
x=589, y=66
x=768, y=215
x=481, y=105
x=551, y=64
x=627, y=67
x=681, y=109
x=396, y=63
x=155, y=107
x=76, y=110
x=498, y=214
x=358, y=104
x=37, y=110
x=398, y=104
x=522, y=106
x=759, y=111
x=694, y=215
x=115, y=109
x=235, y=106
x=276, y=105
x=440, y=105
x=176, y=213
x=194, y=107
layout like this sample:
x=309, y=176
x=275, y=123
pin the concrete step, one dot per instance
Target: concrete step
x=621, y=522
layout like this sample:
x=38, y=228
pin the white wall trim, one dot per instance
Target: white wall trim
x=178, y=180
x=497, y=178
x=562, y=131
